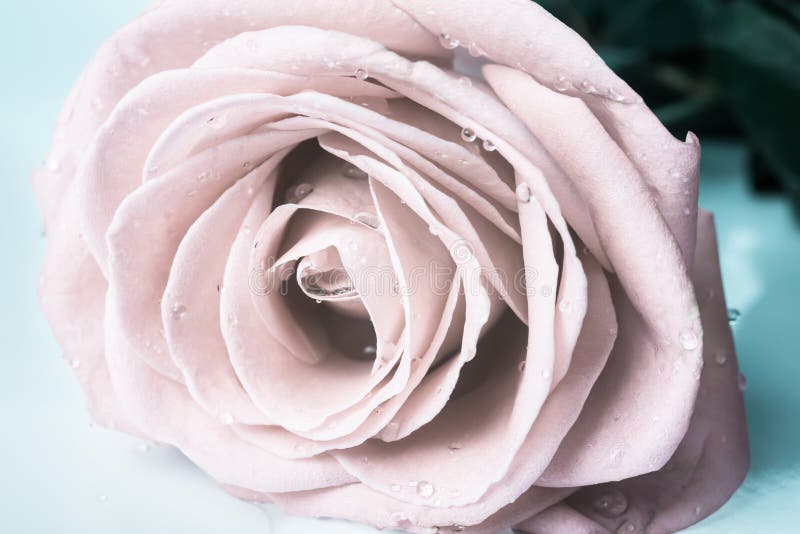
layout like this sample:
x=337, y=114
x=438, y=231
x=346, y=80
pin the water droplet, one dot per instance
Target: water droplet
x=369, y=350
x=455, y=446
x=217, y=122
x=178, y=311
x=720, y=358
x=562, y=84
x=521, y=366
x=523, y=193
x=465, y=81
x=565, y=306
x=611, y=503
x=612, y=331
x=614, y=95
x=354, y=172
x=396, y=488
x=545, y=373
x=247, y=164
x=697, y=510
x=587, y=87
x=488, y=145
x=733, y=315
x=448, y=42
x=675, y=172
x=468, y=135
x=397, y=518
x=367, y=219
x=203, y=176
x=226, y=418
x=474, y=50
x=299, y=192
x=75, y=363
x=626, y=527
x=362, y=74
x=742, y=382
x=688, y=339
x=424, y=489
x=687, y=211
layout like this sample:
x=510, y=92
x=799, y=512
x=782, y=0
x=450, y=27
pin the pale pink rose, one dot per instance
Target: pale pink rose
x=221, y=165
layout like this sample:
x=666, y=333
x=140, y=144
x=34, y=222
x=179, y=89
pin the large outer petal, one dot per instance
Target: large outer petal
x=713, y=457
x=655, y=300
x=174, y=33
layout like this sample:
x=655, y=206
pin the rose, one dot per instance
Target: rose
x=220, y=166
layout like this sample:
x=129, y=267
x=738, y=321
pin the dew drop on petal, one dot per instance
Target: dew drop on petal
x=299, y=192
x=468, y=135
x=362, y=74
x=565, y=305
x=178, y=311
x=720, y=358
x=367, y=219
x=424, y=489
x=733, y=315
x=447, y=41
x=397, y=518
x=474, y=50
x=521, y=366
x=488, y=145
x=688, y=339
x=742, y=382
x=523, y=192
x=562, y=84
x=611, y=503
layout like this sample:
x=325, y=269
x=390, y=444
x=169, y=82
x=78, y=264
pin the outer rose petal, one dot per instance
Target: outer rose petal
x=713, y=457
x=174, y=33
x=71, y=291
x=655, y=301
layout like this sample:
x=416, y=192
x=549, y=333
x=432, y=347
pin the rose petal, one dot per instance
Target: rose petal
x=194, y=338
x=713, y=457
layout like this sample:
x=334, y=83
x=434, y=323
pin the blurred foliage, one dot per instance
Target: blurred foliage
x=721, y=68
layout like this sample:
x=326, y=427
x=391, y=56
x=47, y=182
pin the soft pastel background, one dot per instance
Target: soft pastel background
x=59, y=474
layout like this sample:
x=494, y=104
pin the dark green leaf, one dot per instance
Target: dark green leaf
x=755, y=61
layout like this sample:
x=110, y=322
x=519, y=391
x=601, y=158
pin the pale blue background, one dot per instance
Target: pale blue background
x=59, y=475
